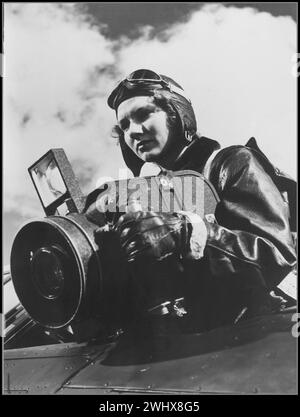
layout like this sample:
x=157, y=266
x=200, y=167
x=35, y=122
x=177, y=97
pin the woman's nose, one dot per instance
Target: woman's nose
x=135, y=129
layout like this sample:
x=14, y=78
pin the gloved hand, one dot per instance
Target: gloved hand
x=155, y=236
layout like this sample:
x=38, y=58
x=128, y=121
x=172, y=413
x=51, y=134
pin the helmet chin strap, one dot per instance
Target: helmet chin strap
x=183, y=150
x=188, y=137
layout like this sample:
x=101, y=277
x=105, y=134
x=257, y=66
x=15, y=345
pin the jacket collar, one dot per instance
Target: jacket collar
x=196, y=154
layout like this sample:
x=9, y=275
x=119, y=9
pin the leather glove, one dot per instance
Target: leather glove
x=155, y=236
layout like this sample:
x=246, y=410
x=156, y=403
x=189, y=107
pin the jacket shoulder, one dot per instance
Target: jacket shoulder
x=235, y=157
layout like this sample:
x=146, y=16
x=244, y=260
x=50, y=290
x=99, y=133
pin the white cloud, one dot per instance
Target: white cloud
x=236, y=64
x=54, y=96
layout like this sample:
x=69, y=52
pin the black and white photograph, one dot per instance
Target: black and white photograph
x=149, y=201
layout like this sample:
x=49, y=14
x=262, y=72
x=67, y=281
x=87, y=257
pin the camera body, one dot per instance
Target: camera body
x=67, y=270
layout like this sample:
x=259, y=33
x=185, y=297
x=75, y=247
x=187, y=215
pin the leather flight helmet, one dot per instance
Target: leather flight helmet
x=144, y=82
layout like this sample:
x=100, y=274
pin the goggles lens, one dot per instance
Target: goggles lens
x=144, y=75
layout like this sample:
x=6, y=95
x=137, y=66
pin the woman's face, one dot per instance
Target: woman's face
x=145, y=128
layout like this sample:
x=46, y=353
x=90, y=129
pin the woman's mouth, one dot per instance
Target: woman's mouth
x=144, y=145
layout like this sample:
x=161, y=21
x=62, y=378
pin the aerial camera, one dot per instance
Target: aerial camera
x=64, y=275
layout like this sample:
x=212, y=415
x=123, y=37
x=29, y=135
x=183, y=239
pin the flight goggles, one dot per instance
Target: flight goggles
x=145, y=81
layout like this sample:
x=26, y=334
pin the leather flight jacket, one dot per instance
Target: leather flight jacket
x=250, y=247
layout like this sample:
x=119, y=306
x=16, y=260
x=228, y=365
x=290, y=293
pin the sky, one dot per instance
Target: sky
x=61, y=60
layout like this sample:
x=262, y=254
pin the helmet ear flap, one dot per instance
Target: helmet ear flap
x=187, y=119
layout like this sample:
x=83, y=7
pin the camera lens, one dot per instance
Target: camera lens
x=55, y=269
x=47, y=272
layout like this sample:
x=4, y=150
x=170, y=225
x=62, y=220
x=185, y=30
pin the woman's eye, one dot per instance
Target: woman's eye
x=142, y=115
x=124, y=125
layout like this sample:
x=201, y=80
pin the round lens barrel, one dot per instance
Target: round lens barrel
x=55, y=269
